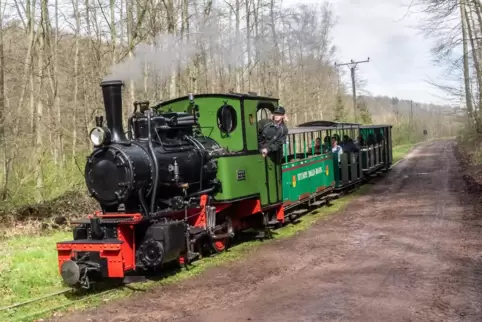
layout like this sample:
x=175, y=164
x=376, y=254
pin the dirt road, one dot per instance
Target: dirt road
x=410, y=250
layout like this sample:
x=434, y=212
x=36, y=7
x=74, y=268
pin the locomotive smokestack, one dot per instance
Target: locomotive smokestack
x=112, y=91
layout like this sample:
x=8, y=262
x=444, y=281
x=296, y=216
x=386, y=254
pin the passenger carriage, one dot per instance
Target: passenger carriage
x=348, y=166
x=374, y=153
x=376, y=148
x=307, y=175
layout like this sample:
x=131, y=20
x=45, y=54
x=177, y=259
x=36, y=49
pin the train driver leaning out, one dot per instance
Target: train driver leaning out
x=335, y=148
x=273, y=134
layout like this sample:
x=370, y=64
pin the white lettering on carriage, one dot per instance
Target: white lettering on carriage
x=310, y=173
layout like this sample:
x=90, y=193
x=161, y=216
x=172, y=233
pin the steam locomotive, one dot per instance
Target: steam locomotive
x=187, y=175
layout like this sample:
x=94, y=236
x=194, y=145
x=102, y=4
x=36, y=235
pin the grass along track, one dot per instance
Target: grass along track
x=28, y=266
x=400, y=151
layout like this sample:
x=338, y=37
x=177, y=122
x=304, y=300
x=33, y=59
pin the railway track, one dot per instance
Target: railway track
x=29, y=317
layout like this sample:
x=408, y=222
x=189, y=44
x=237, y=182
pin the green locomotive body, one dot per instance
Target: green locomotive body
x=232, y=121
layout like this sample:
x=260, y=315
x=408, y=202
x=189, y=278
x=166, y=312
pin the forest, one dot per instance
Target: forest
x=456, y=28
x=54, y=54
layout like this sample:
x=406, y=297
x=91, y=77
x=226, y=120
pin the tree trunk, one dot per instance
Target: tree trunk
x=39, y=114
x=52, y=71
x=3, y=121
x=59, y=130
x=239, y=76
x=171, y=29
x=113, y=33
x=75, y=105
x=277, y=58
x=88, y=76
x=130, y=44
x=468, y=97
x=475, y=59
x=248, y=42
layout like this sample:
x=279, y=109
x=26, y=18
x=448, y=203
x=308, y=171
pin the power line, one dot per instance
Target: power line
x=352, y=71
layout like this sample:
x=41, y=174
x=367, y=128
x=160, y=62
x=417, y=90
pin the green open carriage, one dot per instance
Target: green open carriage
x=376, y=148
x=307, y=174
x=348, y=166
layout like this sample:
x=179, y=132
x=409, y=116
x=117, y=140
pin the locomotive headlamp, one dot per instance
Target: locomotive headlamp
x=98, y=136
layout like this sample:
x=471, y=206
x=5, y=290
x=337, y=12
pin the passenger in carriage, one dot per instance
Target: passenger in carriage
x=335, y=148
x=345, y=140
x=349, y=145
x=360, y=142
x=318, y=147
x=371, y=139
x=326, y=146
x=379, y=136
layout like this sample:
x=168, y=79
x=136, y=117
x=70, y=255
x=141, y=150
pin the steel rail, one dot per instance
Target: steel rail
x=34, y=300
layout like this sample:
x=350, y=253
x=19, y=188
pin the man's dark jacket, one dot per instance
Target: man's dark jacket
x=273, y=137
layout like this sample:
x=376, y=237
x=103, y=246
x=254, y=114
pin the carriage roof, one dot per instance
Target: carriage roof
x=298, y=130
x=375, y=126
x=322, y=123
x=342, y=125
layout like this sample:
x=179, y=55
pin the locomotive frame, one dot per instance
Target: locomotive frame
x=248, y=191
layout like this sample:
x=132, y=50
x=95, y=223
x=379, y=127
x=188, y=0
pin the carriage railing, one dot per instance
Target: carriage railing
x=374, y=155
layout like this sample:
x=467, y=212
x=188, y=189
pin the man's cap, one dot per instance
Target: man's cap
x=279, y=110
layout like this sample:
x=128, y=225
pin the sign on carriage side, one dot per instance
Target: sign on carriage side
x=309, y=173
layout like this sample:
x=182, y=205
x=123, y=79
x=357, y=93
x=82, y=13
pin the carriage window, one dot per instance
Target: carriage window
x=227, y=119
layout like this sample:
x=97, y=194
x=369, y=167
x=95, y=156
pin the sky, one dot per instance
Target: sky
x=400, y=59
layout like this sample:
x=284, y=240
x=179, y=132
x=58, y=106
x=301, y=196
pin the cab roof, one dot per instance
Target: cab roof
x=239, y=96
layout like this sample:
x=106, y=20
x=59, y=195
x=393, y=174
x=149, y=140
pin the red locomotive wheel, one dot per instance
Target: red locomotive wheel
x=220, y=245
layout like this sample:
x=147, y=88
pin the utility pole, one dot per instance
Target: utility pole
x=352, y=71
x=411, y=115
x=411, y=119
